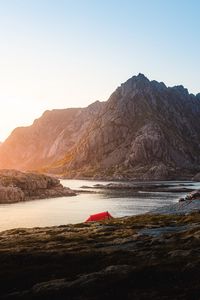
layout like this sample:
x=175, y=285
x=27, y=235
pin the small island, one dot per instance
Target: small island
x=16, y=186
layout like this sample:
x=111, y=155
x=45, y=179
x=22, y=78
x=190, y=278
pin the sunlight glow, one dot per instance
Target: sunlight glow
x=59, y=54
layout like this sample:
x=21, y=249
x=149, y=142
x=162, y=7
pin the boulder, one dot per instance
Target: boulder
x=193, y=195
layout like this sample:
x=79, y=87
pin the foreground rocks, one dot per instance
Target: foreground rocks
x=141, y=257
x=16, y=186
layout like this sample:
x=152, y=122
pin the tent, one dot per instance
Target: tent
x=99, y=217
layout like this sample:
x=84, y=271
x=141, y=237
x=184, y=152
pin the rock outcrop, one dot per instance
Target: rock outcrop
x=181, y=208
x=144, y=131
x=143, y=186
x=193, y=195
x=142, y=257
x=16, y=186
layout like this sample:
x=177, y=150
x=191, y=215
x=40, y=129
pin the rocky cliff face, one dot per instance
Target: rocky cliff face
x=145, y=130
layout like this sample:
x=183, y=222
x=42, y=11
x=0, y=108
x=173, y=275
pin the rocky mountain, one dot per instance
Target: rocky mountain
x=145, y=130
x=47, y=139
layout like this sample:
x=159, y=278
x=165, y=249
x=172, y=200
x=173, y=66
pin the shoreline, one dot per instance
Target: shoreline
x=177, y=209
x=115, y=192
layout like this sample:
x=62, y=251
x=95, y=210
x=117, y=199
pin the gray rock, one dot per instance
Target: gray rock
x=193, y=195
x=180, y=208
x=144, y=131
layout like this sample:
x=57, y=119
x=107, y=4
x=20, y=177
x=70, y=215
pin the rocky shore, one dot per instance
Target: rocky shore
x=150, y=256
x=145, y=187
x=16, y=186
x=180, y=208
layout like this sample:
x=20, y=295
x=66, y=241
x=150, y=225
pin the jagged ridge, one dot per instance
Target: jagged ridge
x=145, y=130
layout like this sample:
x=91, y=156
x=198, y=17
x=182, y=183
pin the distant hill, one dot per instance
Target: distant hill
x=144, y=131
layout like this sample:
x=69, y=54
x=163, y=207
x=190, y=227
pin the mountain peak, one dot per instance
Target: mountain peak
x=198, y=96
x=141, y=76
x=145, y=130
x=137, y=82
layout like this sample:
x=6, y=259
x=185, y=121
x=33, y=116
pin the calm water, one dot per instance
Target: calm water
x=58, y=211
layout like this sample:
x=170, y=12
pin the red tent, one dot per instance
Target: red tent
x=99, y=217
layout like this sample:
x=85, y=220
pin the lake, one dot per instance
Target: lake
x=76, y=209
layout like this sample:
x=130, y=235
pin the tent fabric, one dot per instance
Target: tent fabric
x=99, y=217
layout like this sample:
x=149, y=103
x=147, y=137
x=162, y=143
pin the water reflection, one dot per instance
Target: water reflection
x=57, y=211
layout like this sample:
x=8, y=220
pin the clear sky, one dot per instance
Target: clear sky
x=67, y=53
